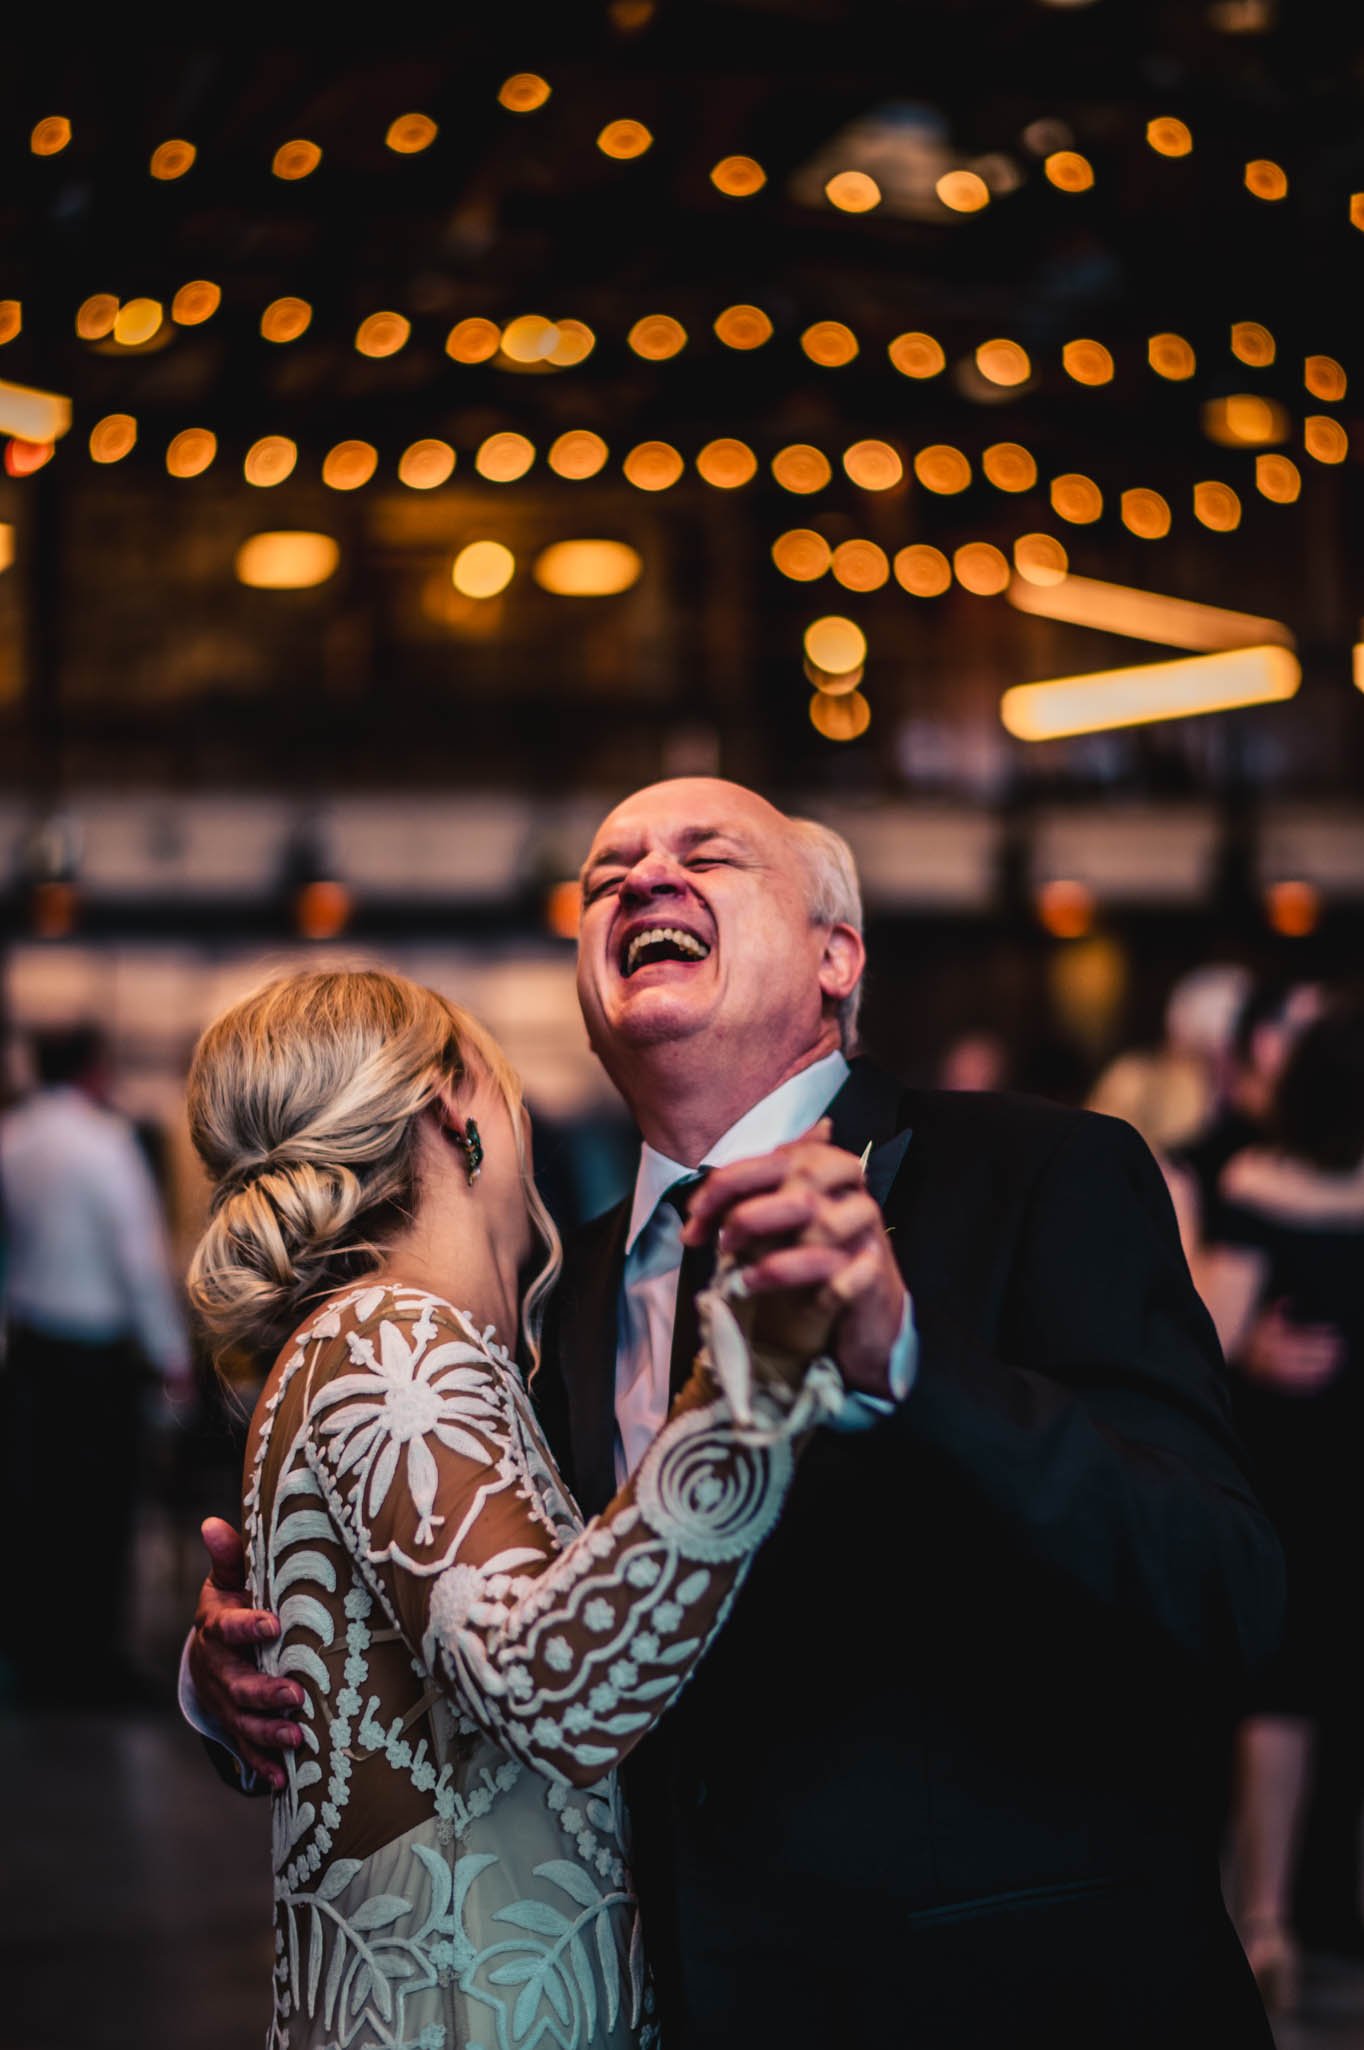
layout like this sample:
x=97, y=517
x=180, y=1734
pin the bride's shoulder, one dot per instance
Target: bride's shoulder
x=390, y=1323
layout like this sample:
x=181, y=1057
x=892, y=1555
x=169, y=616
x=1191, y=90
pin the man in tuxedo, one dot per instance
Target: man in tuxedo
x=951, y=1774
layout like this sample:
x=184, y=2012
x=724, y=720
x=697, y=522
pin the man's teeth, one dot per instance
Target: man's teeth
x=659, y=935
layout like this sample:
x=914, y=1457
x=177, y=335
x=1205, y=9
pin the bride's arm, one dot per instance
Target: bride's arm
x=565, y=1649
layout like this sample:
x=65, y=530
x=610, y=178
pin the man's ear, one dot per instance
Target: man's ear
x=844, y=958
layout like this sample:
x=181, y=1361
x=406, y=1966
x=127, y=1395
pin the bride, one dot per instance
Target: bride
x=450, y=1850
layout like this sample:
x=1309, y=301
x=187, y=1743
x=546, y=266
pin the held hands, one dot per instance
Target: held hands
x=1296, y=1359
x=250, y=1707
x=814, y=1253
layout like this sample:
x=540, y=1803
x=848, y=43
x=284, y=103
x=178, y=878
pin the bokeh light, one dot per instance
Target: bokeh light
x=1065, y=908
x=1324, y=377
x=1324, y=438
x=287, y=560
x=1293, y=908
x=981, y=568
x=653, y=466
x=50, y=135
x=1278, y=479
x=835, y=644
x=95, y=317
x=1253, y=343
x=1265, y=179
x=845, y=718
x=349, y=465
x=743, y=327
x=1076, y=498
x=426, y=464
x=578, y=454
x=194, y=303
x=801, y=554
x=874, y=465
x=172, y=159
x=657, y=336
x=382, y=334
x=832, y=686
x=1217, y=507
x=738, y=177
x=829, y=343
x=523, y=92
x=1040, y=559
x=530, y=338
x=574, y=344
x=1009, y=466
x=1145, y=513
x=587, y=569
x=297, y=159
x=923, y=571
x=270, y=460
x=113, y=437
x=503, y=458
x=1170, y=356
x=860, y=565
x=963, y=192
x=1088, y=362
x=624, y=139
x=1168, y=136
x=1245, y=420
x=136, y=321
x=482, y=569
x=473, y=340
x=853, y=192
x=411, y=133
x=727, y=463
x=22, y=457
x=284, y=320
x=942, y=468
x=191, y=452
x=801, y=468
x=1003, y=362
x=917, y=355
x=1068, y=171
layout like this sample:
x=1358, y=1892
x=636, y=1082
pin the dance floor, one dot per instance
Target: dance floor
x=134, y=1899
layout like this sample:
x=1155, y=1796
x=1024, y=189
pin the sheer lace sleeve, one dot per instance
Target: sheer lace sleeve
x=564, y=1644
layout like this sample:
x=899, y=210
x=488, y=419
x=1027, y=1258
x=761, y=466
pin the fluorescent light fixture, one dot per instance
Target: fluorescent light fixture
x=1151, y=691
x=33, y=415
x=1145, y=615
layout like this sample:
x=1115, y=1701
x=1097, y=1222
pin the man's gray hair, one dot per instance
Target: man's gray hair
x=835, y=899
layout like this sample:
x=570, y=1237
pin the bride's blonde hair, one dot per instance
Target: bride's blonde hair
x=304, y=1101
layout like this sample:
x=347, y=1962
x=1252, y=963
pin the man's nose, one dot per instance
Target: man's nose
x=654, y=875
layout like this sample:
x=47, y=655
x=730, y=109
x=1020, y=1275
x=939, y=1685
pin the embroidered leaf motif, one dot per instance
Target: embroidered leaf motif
x=379, y=1910
x=608, y=1961
x=305, y=1612
x=572, y=1878
x=337, y=1878
x=536, y=1916
x=304, y=1566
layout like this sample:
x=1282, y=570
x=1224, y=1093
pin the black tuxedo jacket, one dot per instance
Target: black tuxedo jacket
x=952, y=1774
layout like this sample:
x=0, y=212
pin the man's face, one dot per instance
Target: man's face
x=696, y=920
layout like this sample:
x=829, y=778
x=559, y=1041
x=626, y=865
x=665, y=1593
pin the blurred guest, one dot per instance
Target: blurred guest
x=1285, y=1285
x=975, y=1060
x=90, y=1306
x=1272, y=1015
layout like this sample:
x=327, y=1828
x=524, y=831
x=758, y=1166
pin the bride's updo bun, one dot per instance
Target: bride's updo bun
x=303, y=1106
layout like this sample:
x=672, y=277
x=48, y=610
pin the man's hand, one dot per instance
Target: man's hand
x=253, y=1709
x=1296, y=1359
x=801, y=1218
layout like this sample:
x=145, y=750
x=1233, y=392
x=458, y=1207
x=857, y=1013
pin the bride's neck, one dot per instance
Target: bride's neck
x=460, y=1245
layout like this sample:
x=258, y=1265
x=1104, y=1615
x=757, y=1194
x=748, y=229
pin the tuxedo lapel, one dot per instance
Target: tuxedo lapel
x=867, y=1112
x=588, y=1340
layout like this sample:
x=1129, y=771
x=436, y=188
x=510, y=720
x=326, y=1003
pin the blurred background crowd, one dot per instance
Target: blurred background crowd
x=948, y=425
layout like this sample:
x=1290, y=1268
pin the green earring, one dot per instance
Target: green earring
x=473, y=1150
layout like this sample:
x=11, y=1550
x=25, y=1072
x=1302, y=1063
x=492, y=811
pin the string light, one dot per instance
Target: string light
x=917, y=355
x=50, y=135
x=738, y=177
x=1003, y=362
x=33, y=417
x=1357, y=209
x=136, y=321
x=1293, y=908
x=1040, y=559
x=11, y=319
x=95, y=317
x=832, y=686
x=743, y=327
x=845, y=718
x=1170, y=356
x=1146, y=514
x=1183, y=689
x=801, y=554
x=483, y=569
x=1278, y=479
x=624, y=139
x=270, y=460
x=1009, y=466
x=503, y=458
x=1325, y=439
x=383, y=334
x=963, y=192
x=727, y=464
x=113, y=437
x=523, y=92
x=1068, y=171
x=587, y=569
x=349, y=465
x=1076, y=498
x=425, y=465
x=1253, y=344
x=529, y=338
x=1148, y=615
x=852, y=192
x=23, y=457
x=657, y=336
x=1217, y=507
x=289, y=559
x=1265, y=179
x=575, y=343
x=874, y=465
x=923, y=571
x=653, y=466
x=981, y=569
x=860, y=565
x=1087, y=362
x=473, y=340
x=835, y=644
x=1168, y=136
x=193, y=304
x=942, y=468
x=1324, y=377
x=6, y=545
x=411, y=133
x=191, y=452
x=172, y=159
x=829, y=343
x=284, y=320
x=294, y=160
x=801, y=468
x=1244, y=420
x=578, y=454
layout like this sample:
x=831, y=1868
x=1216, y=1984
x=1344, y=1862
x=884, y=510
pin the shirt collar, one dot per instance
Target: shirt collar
x=787, y=1111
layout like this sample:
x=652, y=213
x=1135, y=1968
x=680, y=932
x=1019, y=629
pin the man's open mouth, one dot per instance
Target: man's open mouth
x=660, y=943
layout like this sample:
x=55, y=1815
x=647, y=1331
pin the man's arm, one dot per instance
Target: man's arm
x=240, y=1711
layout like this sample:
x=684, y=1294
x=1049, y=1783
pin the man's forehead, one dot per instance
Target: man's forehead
x=687, y=808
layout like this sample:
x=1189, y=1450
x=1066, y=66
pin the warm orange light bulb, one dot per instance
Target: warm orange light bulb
x=473, y=340
x=1068, y=171
x=411, y=133
x=284, y=320
x=860, y=566
x=653, y=466
x=1170, y=356
x=981, y=569
x=829, y=343
x=624, y=139
x=801, y=554
x=942, y=469
x=172, y=159
x=297, y=159
x=743, y=327
x=963, y=192
x=503, y=458
x=801, y=468
x=523, y=92
x=727, y=464
x=425, y=465
x=852, y=192
x=195, y=302
x=577, y=454
x=1146, y=514
x=738, y=177
x=923, y=571
x=349, y=465
x=917, y=355
x=191, y=452
x=1076, y=498
x=1168, y=136
x=1009, y=466
x=874, y=465
x=657, y=336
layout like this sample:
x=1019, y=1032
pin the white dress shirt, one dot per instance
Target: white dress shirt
x=653, y=1254
x=85, y=1249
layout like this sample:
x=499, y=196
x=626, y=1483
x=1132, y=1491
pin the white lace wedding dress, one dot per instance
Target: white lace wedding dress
x=450, y=1850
